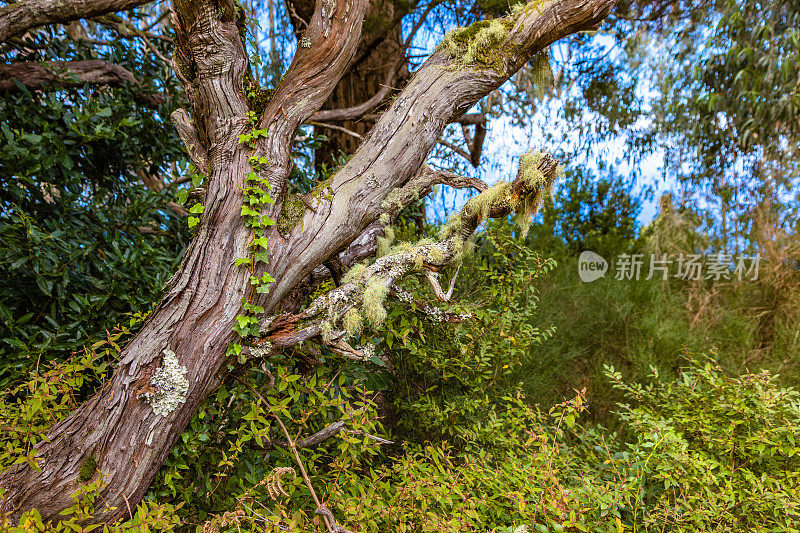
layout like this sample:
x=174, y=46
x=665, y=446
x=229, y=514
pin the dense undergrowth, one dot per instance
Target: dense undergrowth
x=497, y=423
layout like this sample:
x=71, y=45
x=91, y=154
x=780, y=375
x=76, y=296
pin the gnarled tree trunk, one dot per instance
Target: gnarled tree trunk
x=378, y=67
x=118, y=427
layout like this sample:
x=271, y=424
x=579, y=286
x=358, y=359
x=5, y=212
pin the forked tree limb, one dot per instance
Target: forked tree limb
x=18, y=17
x=324, y=317
x=440, y=92
x=332, y=36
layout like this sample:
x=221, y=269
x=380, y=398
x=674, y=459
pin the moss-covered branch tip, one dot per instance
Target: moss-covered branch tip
x=483, y=43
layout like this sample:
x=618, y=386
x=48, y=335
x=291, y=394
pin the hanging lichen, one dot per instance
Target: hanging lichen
x=451, y=227
x=353, y=322
x=541, y=74
x=355, y=272
x=374, y=296
x=385, y=242
x=326, y=331
x=534, y=180
x=482, y=204
x=435, y=255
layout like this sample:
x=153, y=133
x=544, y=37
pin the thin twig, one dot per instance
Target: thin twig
x=335, y=127
x=289, y=439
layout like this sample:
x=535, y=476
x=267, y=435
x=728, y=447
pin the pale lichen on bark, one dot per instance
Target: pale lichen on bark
x=170, y=384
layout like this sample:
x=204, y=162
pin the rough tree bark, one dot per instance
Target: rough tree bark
x=378, y=66
x=117, y=426
x=18, y=17
x=36, y=75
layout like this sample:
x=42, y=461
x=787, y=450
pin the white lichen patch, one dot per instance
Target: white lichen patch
x=170, y=384
x=452, y=226
x=261, y=351
x=368, y=351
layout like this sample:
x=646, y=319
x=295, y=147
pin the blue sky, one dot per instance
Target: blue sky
x=506, y=141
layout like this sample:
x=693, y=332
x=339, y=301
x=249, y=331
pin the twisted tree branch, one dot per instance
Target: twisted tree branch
x=21, y=16
x=323, y=318
x=36, y=75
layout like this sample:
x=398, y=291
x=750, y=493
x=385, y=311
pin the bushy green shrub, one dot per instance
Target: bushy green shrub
x=446, y=373
x=720, y=452
x=29, y=409
x=149, y=517
x=709, y=452
x=234, y=455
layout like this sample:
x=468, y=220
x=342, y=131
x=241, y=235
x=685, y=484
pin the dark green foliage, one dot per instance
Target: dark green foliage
x=85, y=237
x=472, y=452
x=445, y=376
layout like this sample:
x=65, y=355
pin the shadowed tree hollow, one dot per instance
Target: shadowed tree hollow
x=235, y=297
